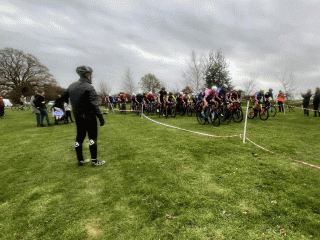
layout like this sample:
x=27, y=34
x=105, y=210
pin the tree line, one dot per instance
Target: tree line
x=22, y=74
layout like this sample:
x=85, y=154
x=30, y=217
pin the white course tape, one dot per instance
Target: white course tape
x=298, y=161
x=186, y=130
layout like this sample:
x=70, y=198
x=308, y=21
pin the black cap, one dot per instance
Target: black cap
x=84, y=71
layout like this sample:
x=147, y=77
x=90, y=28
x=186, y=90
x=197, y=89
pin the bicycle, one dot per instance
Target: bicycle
x=237, y=113
x=122, y=107
x=171, y=109
x=17, y=107
x=162, y=110
x=150, y=108
x=190, y=109
x=271, y=108
x=210, y=116
x=263, y=112
x=224, y=113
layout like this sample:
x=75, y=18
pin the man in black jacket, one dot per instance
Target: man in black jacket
x=83, y=99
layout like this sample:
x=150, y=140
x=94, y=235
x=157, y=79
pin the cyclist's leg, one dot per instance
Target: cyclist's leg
x=93, y=135
x=81, y=134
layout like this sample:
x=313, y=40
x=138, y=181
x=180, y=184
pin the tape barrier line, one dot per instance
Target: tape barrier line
x=298, y=161
x=186, y=130
x=126, y=110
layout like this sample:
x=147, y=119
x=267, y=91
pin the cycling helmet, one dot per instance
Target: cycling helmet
x=214, y=88
x=270, y=89
x=133, y=94
x=84, y=71
x=170, y=93
x=262, y=90
x=150, y=92
x=223, y=86
x=181, y=93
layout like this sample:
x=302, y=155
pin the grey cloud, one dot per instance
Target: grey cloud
x=262, y=36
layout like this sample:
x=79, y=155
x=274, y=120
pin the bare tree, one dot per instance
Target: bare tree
x=103, y=89
x=128, y=85
x=288, y=82
x=193, y=74
x=250, y=84
x=20, y=73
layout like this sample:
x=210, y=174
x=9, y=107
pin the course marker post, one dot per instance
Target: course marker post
x=142, y=111
x=245, y=124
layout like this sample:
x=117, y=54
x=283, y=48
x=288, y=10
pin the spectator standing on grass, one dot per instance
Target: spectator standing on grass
x=1, y=107
x=67, y=109
x=22, y=100
x=85, y=108
x=34, y=109
x=305, y=102
x=281, y=97
x=316, y=101
x=40, y=103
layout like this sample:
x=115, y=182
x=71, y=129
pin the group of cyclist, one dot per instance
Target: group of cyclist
x=216, y=96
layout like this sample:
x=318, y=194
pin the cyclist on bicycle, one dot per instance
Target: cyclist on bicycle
x=150, y=98
x=171, y=98
x=269, y=94
x=122, y=99
x=222, y=93
x=140, y=99
x=192, y=98
x=259, y=98
x=133, y=101
x=210, y=96
x=162, y=97
x=199, y=97
x=184, y=98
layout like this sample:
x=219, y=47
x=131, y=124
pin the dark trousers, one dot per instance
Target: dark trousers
x=1, y=111
x=305, y=109
x=84, y=126
x=38, y=117
x=44, y=114
x=316, y=108
x=68, y=115
x=281, y=109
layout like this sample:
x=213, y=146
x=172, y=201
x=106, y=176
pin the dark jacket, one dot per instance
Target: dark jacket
x=316, y=97
x=83, y=98
x=38, y=101
x=306, y=98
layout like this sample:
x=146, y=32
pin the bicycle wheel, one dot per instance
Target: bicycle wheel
x=264, y=114
x=173, y=112
x=182, y=111
x=189, y=111
x=215, y=120
x=237, y=115
x=272, y=111
x=251, y=113
x=202, y=120
x=225, y=116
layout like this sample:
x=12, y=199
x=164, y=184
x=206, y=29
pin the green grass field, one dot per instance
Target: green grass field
x=159, y=182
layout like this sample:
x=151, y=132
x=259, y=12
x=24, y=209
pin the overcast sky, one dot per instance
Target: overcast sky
x=261, y=37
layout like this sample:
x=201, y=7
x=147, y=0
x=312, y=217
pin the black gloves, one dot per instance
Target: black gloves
x=101, y=120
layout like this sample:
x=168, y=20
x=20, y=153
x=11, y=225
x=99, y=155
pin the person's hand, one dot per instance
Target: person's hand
x=101, y=120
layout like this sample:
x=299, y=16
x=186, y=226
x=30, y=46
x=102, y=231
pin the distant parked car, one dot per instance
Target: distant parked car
x=7, y=102
x=51, y=103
